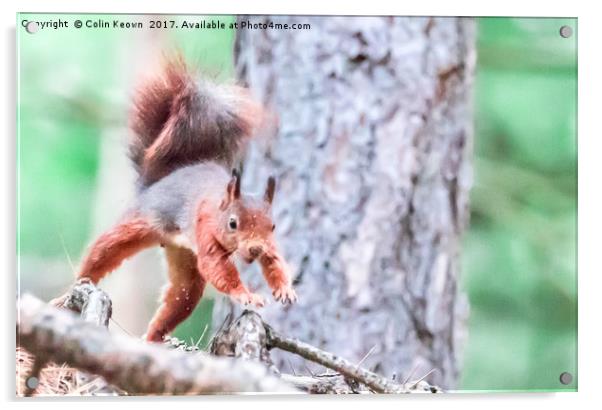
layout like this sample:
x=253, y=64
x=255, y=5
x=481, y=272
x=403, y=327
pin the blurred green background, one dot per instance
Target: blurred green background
x=519, y=257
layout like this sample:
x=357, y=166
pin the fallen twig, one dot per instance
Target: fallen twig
x=58, y=335
x=378, y=383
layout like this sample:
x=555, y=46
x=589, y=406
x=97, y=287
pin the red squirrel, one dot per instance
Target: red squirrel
x=188, y=134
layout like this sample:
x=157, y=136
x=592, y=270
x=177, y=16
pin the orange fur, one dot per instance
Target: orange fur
x=276, y=273
x=116, y=245
x=214, y=262
x=181, y=295
x=274, y=269
x=188, y=273
x=216, y=267
x=180, y=120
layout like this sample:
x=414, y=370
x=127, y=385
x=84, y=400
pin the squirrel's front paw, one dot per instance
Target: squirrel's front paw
x=249, y=298
x=285, y=294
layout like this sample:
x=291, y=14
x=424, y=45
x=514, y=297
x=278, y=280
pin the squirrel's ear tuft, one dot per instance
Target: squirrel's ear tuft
x=232, y=190
x=269, y=190
x=237, y=178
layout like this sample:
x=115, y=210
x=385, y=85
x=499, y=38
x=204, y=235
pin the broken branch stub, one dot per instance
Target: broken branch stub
x=92, y=303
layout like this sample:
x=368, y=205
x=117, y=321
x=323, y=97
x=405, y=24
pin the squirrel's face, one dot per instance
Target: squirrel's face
x=246, y=226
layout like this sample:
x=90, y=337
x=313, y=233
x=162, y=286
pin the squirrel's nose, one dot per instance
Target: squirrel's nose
x=255, y=251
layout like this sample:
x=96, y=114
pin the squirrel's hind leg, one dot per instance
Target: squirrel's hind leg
x=180, y=296
x=114, y=246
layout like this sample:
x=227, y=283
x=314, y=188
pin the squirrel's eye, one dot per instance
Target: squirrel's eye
x=273, y=227
x=232, y=224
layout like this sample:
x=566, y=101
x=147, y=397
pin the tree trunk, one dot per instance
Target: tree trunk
x=372, y=157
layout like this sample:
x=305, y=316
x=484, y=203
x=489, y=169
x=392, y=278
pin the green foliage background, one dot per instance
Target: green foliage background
x=520, y=252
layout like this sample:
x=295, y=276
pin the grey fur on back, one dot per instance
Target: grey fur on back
x=171, y=202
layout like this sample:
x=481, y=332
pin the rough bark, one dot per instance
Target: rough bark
x=93, y=304
x=245, y=338
x=372, y=156
x=58, y=335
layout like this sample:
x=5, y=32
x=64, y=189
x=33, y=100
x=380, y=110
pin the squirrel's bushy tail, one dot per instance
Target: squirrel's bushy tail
x=179, y=119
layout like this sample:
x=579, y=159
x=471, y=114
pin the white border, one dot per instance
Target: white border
x=590, y=205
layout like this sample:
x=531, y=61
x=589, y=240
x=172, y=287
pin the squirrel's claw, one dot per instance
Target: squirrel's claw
x=286, y=295
x=257, y=300
x=250, y=299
